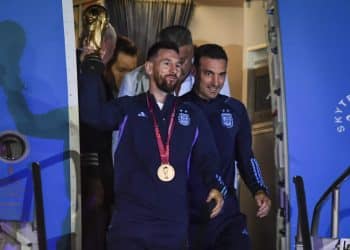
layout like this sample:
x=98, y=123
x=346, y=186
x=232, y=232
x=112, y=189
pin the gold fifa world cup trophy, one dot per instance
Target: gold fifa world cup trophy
x=95, y=21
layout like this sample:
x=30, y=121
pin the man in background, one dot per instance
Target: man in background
x=95, y=144
x=123, y=61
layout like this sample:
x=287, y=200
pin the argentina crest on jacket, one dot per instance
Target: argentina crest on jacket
x=226, y=118
x=184, y=118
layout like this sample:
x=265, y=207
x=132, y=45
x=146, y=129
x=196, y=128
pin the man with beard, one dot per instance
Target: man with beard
x=231, y=128
x=161, y=139
x=137, y=81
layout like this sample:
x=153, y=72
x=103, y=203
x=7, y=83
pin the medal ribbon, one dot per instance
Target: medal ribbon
x=163, y=149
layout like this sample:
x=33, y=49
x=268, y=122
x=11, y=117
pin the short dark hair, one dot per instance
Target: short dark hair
x=153, y=51
x=213, y=51
x=177, y=34
x=124, y=45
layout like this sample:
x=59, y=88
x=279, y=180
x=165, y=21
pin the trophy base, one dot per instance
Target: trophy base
x=93, y=64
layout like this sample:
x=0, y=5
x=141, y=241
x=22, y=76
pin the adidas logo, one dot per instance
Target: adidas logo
x=141, y=114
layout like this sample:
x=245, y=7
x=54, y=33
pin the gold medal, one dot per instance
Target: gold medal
x=166, y=172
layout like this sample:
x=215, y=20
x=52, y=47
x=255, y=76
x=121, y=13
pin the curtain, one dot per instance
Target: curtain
x=141, y=20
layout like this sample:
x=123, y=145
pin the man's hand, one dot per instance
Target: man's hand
x=263, y=202
x=215, y=195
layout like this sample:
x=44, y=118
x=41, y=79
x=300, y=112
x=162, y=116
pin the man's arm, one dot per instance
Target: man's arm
x=206, y=157
x=248, y=166
x=93, y=108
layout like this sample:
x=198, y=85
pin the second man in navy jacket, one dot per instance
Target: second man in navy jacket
x=231, y=127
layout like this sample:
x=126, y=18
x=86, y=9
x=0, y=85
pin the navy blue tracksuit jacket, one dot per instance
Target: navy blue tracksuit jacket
x=232, y=131
x=146, y=206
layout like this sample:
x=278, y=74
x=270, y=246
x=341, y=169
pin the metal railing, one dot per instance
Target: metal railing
x=38, y=194
x=333, y=190
x=304, y=236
